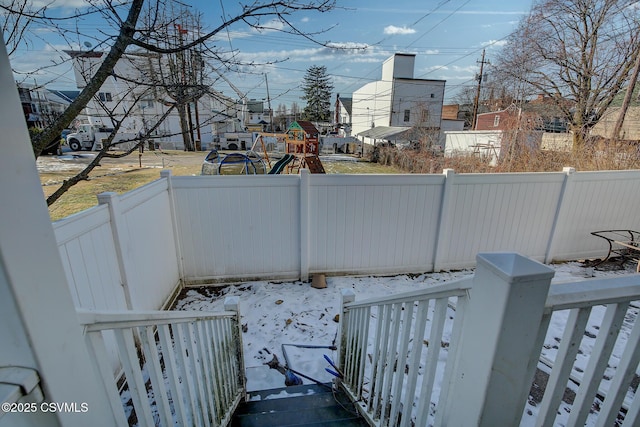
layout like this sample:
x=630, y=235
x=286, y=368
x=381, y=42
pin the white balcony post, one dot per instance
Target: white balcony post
x=39, y=330
x=493, y=373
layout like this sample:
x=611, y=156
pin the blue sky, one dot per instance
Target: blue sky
x=447, y=36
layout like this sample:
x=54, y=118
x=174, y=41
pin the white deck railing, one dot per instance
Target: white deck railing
x=388, y=342
x=177, y=368
x=417, y=358
x=599, y=351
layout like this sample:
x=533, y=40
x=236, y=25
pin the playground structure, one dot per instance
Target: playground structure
x=302, y=141
x=250, y=163
x=233, y=164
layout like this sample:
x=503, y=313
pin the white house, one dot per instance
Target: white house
x=342, y=118
x=398, y=101
x=213, y=113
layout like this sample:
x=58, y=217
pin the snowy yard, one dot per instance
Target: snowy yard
x=277, y=313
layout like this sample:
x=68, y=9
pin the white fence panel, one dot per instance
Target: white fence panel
x=284, y=227
x=596, y=201
x=498, y=212
x=86, y=246
x=373, y=223
x=150, y=253
x=238, y=226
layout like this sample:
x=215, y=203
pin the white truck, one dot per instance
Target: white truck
x=236, y=141
x=90, y=137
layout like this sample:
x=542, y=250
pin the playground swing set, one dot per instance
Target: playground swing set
x=301, y=152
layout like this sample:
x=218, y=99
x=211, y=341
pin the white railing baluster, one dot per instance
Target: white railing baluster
x=414, y=362
x=396, y=331
x=99, y=352
x=598, y=359
x=380, y=355
x=632, y=418
x=217, y=385
x=225, y=359
x=173, y=373
x=183, y=363
x=453, y=358
x=362, y=344
x=195, y=367
x=352, y=343
x=391, y=360
x=201, y=343
x=377, y=367
x=621, y=381
x=398, y=372
x=431, y=362
x=562, y=366
x=131, y=367
x=147, y=337
x=188, y=365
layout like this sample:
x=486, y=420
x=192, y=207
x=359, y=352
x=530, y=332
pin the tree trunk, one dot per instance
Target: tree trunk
x=125, y=37
x=627, y=99
x=184, y=126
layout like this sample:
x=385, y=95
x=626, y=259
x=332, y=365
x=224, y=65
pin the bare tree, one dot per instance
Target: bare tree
x=576, y=50
x=131, y=33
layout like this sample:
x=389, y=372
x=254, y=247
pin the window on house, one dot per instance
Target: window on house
x=407, y=115
x=105, y=96
x=496, y=121
x=433, y=95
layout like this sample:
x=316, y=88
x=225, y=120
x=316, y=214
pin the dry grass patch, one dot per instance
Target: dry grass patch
x=122, y=175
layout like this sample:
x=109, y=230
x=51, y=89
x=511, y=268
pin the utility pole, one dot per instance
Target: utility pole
x=476, y=101
x=269, y=103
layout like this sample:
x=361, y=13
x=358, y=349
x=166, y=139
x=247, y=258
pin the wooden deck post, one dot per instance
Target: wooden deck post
x=499, y=335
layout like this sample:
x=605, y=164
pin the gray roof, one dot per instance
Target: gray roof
x=390, y=133
x=346, y=103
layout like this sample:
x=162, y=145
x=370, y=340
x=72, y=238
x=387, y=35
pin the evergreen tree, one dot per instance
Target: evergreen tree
x=317, y=89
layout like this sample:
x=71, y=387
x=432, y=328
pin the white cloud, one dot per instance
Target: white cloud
x=494, y=43
x=305, y=19
x=393, y=30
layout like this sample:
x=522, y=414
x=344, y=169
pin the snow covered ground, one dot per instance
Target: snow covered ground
x=277, y=313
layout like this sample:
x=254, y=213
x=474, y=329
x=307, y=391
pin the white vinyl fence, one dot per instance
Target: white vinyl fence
x=122, y=254
x=133, y=251
x=292, y=226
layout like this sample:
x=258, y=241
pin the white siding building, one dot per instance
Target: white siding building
x=121, y=92
x=398, y=100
